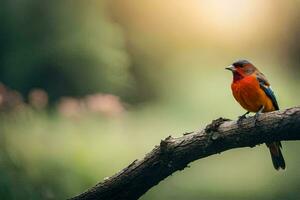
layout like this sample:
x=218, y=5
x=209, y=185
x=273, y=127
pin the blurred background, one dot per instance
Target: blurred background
x=89, y=86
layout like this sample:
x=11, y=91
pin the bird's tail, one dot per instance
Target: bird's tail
x=277, y=158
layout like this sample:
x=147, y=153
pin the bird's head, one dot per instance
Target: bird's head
x=241, y=69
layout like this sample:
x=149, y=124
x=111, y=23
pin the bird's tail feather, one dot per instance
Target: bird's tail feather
x=277, y=158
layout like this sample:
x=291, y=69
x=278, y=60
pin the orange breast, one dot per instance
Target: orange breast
x=250, y=96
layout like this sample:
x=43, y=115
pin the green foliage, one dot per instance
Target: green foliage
x=67, y=48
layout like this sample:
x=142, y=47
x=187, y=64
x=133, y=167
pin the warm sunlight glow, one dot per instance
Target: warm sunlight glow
x=232, y=17
x=226, y=13
x=203, y=21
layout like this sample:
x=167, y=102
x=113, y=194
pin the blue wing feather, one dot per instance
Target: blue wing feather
x=269, y=92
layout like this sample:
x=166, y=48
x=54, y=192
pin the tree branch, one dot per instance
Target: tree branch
x=175, y=153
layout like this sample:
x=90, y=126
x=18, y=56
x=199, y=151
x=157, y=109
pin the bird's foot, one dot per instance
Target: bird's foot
x=256, y=116
x=242, y=117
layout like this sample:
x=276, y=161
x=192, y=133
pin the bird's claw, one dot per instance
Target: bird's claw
x=258, y=114
x=256, y=118
x=241, y=118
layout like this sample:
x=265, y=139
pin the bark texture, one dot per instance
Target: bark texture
x=173, y=154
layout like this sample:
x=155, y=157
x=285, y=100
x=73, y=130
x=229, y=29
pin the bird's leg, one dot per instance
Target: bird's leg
x=258, y=113
x=240, y=119
x=244, y=115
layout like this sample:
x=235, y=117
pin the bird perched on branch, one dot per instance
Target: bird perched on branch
x=253, y=92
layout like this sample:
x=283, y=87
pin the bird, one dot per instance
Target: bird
x=253, y=92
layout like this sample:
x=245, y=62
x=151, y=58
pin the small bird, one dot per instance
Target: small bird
x=253, y=92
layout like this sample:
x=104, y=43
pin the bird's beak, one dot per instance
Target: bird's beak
x=231, y=68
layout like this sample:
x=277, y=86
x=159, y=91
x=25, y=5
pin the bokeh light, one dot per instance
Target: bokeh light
x=89, y=86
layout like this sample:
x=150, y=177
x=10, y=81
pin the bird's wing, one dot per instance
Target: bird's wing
x=265, y=85
x=261, y=78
